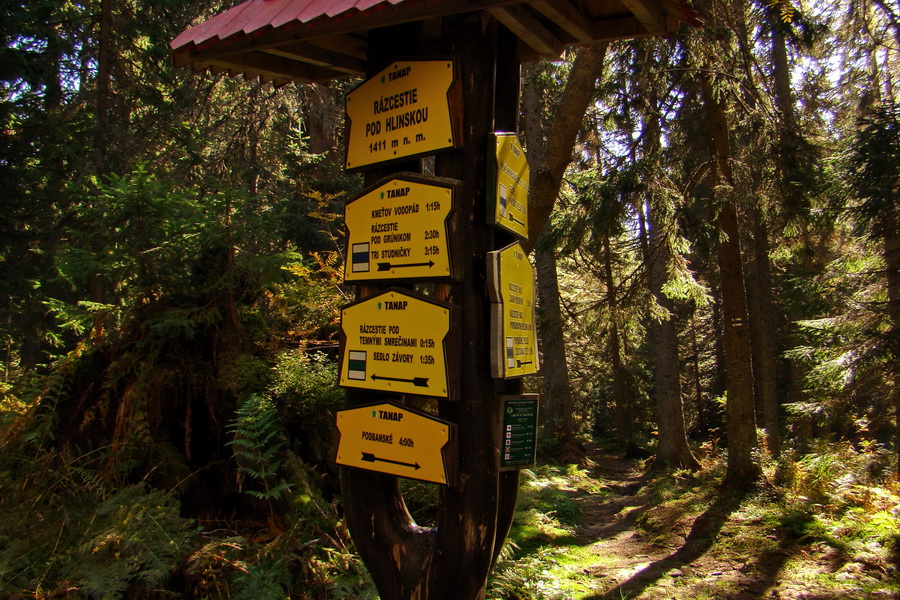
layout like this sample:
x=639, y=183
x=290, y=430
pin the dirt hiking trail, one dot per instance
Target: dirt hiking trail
x=706, y=544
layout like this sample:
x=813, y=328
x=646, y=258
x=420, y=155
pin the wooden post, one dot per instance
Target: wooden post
x=452, y=561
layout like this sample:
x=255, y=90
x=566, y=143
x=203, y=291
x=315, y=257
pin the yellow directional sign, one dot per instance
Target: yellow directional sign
x=397, y=342
x=396, y=440
x=509, y=184
x=399, y=230
x=403, y=111
x=513, y=336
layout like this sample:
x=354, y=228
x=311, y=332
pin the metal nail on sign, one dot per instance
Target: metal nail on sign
x=403, y=112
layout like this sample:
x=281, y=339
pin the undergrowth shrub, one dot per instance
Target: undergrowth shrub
x=257, y=439
x=63, y=529
x=525, y=577
x=304, y=390
x=136, y=538
x=840, y=495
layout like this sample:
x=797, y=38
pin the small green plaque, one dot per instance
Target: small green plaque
x=520, y=414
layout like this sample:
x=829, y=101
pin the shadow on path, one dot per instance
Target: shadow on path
x=701, y=537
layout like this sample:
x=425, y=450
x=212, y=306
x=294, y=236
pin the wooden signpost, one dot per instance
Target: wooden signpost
x=447, y=234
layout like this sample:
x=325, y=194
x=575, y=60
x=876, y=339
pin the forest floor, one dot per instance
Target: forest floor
x=616, y=532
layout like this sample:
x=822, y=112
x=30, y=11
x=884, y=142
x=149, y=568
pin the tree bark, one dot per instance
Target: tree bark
x=671, y=445
x=558, y=402
x=740, y=417
x=781, y=72
x=762, y=333
x=104, y=78
x=547, y=171
x=622, y=394
x=702, y=426
x=322, y=119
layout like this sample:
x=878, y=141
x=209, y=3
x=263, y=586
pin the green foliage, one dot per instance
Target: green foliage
x=137, y=538
x=848, y=358
x=307, y=304
x=547, y=516
x=873, y=166
x=304, y=387
x=257, y=439
x=838, y=495
x=547, y=509
x=263, y=582
x=63, y=526
x=305, y=382
x=525, y=578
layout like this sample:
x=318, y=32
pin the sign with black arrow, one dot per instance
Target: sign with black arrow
x=399, y=342
x=509, y=178
x=394, y=439
x=401, y=228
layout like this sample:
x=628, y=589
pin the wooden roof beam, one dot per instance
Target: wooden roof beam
x=649, y=13
x=526, y=26
x=259, y=64
x=568, y=17
x=319, y=57
x=620, y=28
x=350, y=45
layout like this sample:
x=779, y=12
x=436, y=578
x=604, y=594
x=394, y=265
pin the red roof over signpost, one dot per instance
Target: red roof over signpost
x=315, y=40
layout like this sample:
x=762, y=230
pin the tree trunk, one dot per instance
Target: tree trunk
x=322, y=119
x=762, y=334
x=549, y=165
x=892, y=266
x=622, y=395
x=740, y=417
x=702, y=427
x=104, y=77
x=548, y=160
x=671, y=445
x=559, y=406
x=781, y=72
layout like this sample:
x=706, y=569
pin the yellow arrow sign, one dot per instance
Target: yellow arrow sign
x=398, y=230
x=403, y=111
x=396, y=440
x=396, y=342
x=513, y=336
x=510, y=180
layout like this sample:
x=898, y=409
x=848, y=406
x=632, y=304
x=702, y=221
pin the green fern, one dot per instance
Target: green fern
x=137, y=538
x=264, y=582
x=257, y=443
